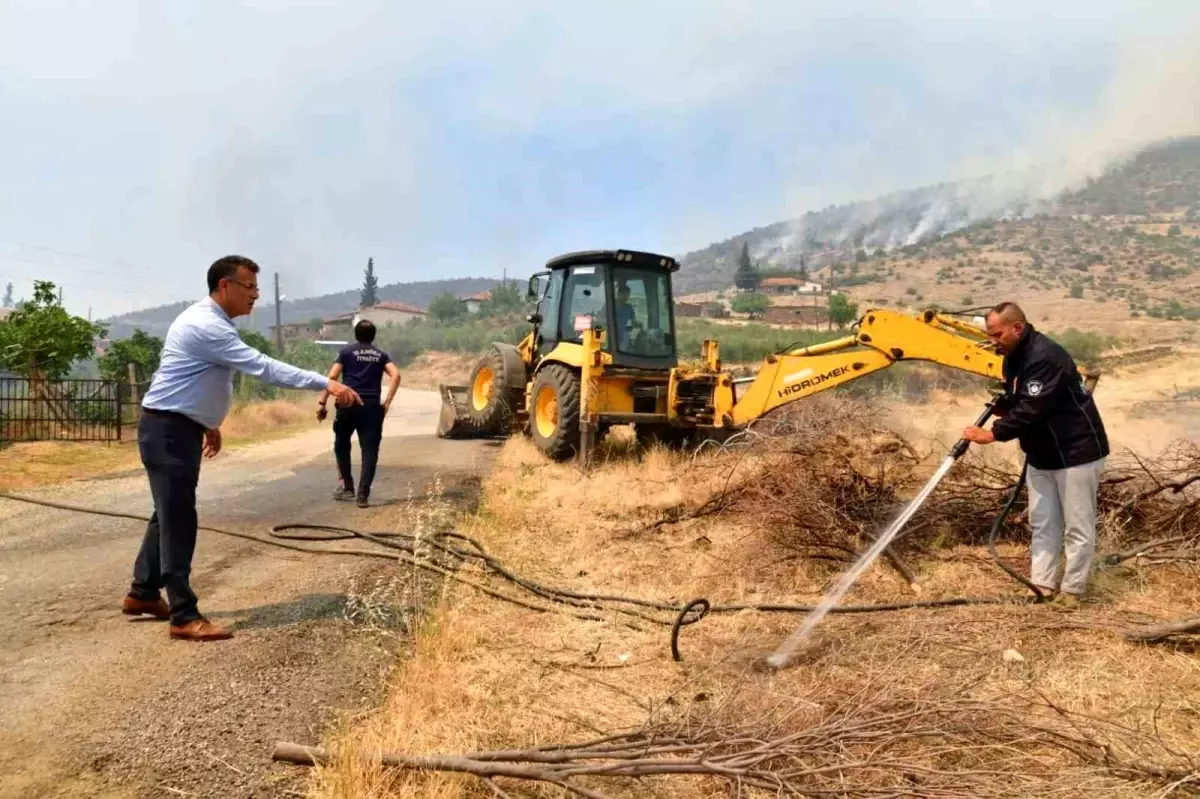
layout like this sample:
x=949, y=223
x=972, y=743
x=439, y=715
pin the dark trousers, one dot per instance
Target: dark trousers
x=171, y=447
x=367, y=421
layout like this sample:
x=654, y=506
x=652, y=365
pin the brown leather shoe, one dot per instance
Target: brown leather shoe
x=132, y=606
x=200, y=630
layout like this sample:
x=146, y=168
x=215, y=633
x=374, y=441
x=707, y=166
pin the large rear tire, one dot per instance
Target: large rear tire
x=489, y=400
x=554, y=415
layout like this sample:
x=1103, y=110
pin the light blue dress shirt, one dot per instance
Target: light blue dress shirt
x=195, y=373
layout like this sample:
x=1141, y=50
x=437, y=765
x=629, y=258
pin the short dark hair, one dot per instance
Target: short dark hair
x=1009, y=311
x=364, y=331
x=227, y=267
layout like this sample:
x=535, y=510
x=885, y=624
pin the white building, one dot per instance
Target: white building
x=389, y=313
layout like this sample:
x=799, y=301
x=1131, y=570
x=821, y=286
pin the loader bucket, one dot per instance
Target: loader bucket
x=454, y=420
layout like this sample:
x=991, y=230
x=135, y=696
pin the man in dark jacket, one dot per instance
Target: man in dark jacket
x=361, y=366
x=1047, y=408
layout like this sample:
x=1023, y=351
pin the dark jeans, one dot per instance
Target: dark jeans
x=171, y=447
x=367, y=421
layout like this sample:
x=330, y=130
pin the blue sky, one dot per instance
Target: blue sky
x=142, y=140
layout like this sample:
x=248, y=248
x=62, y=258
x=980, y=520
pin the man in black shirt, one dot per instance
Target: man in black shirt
x=1047, y=408
x=363, y=366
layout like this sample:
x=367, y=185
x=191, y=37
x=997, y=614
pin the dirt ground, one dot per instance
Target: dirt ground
x=488, y=675
x=93, y=704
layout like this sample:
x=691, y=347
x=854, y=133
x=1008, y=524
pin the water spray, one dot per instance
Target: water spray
x=783, y=655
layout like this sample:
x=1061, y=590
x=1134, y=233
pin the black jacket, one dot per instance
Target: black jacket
x=1047, y=408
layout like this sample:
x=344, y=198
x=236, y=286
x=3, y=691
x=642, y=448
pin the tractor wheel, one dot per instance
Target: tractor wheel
x=670, y=437
x=554, y=415
x=489, y=400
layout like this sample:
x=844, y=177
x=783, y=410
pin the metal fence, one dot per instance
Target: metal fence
x=63, y=410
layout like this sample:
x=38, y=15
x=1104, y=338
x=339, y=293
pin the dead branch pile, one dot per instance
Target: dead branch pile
x=879, y=740
x=823, y=477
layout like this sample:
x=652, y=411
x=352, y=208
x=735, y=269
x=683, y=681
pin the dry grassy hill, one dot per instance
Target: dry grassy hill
x=1119, y=255
x=1112, y=275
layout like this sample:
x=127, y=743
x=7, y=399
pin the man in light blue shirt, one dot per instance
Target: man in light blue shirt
x=182, y=412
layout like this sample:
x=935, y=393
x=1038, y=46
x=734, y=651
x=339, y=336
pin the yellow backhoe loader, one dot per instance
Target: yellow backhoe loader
x=602, y=352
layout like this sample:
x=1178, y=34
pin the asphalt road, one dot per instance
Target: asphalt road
x=95, y=704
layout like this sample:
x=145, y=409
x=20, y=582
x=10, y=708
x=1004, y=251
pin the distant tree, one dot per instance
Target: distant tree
x=369, y=295
x=746, y=277
x=244, y=386
x=1174, y=230
x=860, y=256
x=41, y=340
x=8, y=296
x=1077, y=290
x=447, y=309
x=315, y=324
x=141, y=349
x=841, y=311
x=257, y=340
x=505, y=299
x=752, y=303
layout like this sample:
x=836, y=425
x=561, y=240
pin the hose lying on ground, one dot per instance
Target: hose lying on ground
x=455, y=550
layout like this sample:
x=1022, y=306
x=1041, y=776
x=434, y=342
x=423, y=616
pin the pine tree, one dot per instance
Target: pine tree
x=8, y=296
x=368, y=295
x=746, y=277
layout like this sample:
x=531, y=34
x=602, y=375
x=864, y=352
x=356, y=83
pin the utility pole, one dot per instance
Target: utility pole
x=278, y=319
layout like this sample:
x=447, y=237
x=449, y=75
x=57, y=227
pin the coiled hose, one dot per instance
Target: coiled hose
x=454, y=550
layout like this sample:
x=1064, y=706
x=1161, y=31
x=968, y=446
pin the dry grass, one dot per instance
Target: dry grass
x=1009, y=700
x=39, y=463
x=431, y=369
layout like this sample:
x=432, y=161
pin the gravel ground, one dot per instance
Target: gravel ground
x=93, y=704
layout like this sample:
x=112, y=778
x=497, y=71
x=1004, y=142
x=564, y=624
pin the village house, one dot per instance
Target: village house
x=787, y=286
x=475, y=301
x=797, y=315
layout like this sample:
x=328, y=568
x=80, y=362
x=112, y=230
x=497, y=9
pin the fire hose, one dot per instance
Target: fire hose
x=445, y=553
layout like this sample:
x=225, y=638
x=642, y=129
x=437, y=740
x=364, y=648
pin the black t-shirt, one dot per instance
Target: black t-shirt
x=362, y=369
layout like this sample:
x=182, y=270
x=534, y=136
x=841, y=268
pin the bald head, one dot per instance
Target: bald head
x=1006, y=324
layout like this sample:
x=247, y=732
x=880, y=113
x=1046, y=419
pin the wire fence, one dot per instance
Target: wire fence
x=64, y=410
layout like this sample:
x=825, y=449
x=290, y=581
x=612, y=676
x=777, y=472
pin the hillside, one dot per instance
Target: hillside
x=1120, y=253
x=420, y=293
x=1161, y=181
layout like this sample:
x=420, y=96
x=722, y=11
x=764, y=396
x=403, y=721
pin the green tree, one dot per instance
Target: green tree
x=447, y=309
x=257, y=340
x=369, y=295
x=41, y=340
x=506, y=299
x=141, y=349
x=746, y=277
x=1174, y=230
x=841, y=311
x=752, y=303
x=247, y=387
x=8, y=296
x=1077, y=290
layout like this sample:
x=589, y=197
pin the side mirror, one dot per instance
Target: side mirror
x=533, y=292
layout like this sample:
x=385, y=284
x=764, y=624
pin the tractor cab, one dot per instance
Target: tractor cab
x=626, y=295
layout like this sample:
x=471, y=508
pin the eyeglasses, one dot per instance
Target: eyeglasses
x=251, y=287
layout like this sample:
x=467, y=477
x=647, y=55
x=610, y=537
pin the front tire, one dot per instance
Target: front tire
x=554, y=415
x=489, y=400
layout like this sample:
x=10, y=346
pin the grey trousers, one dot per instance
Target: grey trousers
x=1062, y=505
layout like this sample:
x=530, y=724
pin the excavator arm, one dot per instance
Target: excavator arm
x=882, y=338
